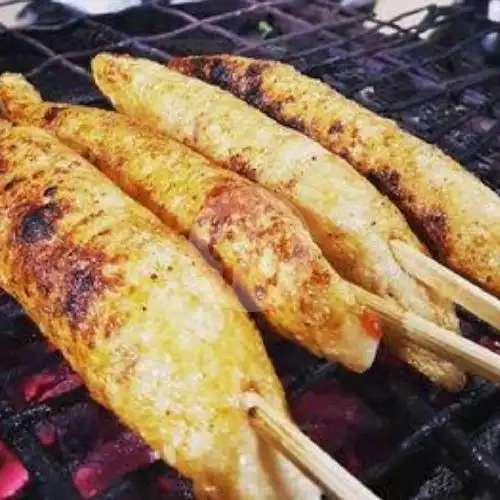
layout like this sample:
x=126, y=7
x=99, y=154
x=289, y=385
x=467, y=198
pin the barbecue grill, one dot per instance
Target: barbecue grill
x=403, y=437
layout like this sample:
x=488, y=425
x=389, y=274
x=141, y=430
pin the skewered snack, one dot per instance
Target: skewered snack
x=456, y=215
x=259, y=242
x=154, y=332
x=350, y=220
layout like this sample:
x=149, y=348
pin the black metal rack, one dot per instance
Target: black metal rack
x=417, y=442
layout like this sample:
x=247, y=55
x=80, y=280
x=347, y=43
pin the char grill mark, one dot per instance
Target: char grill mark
x=45, y=255
x=52, y=113
x=429, y=225
x=74, y=276
x=239, y=164
x=50, y=191
x=37, y=224
x=82, y=284
x=250, y=88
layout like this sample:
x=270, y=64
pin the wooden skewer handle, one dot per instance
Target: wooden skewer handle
x=336, y=481
x=471, y=356
x=448, y=283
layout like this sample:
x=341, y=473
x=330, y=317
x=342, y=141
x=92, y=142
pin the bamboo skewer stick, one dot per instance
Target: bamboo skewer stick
x=448, y=283
x=471, y=356
x=337, y=482
x=323, y=470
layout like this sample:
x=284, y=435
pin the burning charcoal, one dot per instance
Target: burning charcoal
x=178, y=488
x=49, y=383
x=328, y=407
x=109, y=461
x=77, y=431
x=13, y=476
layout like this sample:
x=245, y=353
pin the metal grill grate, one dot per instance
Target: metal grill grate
x=416, y=442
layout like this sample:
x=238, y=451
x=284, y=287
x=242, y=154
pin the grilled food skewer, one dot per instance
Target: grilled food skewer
x=114, y=143
x=451, y=285
x=153, y=331
x=352, y=223
x=473, y=357
x=454, y=213
x=335, y=481
x=257, y=240
x=112, y=140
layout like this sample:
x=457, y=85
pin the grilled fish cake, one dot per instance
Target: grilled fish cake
x=350, y=220
x=255, y=238
x=153, y=331
x=456, y=215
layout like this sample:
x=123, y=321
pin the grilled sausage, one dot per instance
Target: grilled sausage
x=257, y=239
x=153, y=331
x=351, y=221
x=452, y=211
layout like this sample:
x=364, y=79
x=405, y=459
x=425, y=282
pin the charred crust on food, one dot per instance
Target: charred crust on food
x=237, y=163
x=344, y=153
x=219, y=74
x=218, y=190
x=336, y=128
x=74, y=277
x=13, y=183
x=37, y=223
x=252, y=91
x=431, y=226
x=83, y=283
x=251, y=87
x=104, y=232
x=195, y=66
x=387, y=181
x=276, y=111
x=52, y=113
x=50, y=191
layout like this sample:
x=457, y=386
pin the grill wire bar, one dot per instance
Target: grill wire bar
x=438, y=89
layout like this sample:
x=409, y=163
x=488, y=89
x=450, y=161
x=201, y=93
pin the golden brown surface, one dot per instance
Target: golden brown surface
x=261, y=247
x=156, y=335
x=350, y=220
x=453, y=212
